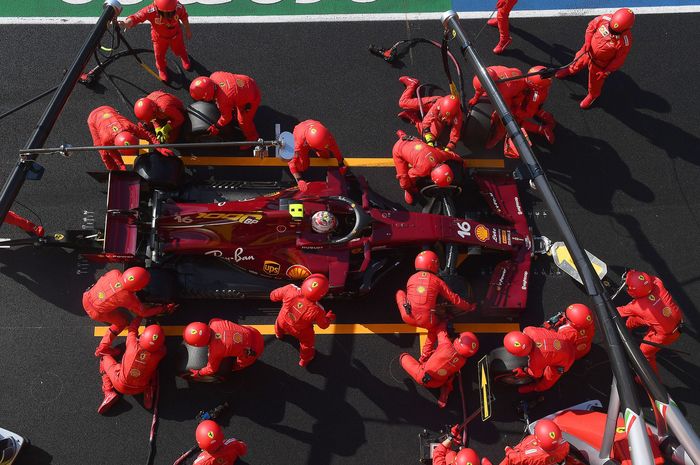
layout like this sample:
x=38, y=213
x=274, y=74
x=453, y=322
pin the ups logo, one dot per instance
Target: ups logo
x=271, y=268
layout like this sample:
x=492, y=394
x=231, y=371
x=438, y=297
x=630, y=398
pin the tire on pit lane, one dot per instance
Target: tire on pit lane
x=159, y=171
x=201, y=115
x=502, y=364
x=195, y=358
x=477, y=127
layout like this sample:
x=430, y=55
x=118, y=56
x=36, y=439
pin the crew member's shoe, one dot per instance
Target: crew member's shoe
x=492, y=22
x=104, y=349
x=305, y=361
x=408, y=116
x=445, y=391
x=408, y=197
x=587, y=102
x=163, y=75
x=502, y=44
x=110, y=399
x=186, y=63
x=548, y=133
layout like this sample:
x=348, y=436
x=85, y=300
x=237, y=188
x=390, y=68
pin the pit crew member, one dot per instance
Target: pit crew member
x=549, y=356
x=116, y=290
x=531, y=108
x=439, y=370
x=652, y=307
x=417, y=304
x=24, y=224
x=607, y=43
x=414, y=159
x=501, y=21
x=165, y=17
x=300, y=311
x=164, y=112
x=137, y=371
x=108, y=127
x=312, y=135
x=225, y=339
x=443, y=454
x=440, y=112
x=215, y=449
x=545, y=447
x=575, y=324
x=230, y=92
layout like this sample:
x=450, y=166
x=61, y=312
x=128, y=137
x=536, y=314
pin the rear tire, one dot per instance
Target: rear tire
x=195, y=358
x=502, y=365
x=159, y=171
x=477, y=129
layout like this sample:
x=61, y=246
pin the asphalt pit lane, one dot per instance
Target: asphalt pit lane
x=46, y=388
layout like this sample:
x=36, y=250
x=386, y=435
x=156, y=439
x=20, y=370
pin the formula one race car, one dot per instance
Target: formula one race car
x=232, y=239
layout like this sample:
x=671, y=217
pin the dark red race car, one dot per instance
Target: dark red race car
x=241, y=239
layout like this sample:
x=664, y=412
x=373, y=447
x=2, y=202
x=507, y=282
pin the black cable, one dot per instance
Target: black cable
x=40, y=221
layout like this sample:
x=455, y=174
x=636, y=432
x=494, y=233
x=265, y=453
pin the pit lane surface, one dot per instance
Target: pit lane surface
x=625, y=172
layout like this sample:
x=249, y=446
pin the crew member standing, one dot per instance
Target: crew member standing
x=531, y=108
x=300, y=311
x=440, y=368
x=503, y=8
x=164, y=112
x=225, y=339
x=653, y=308
x=137, y=371
x=116, y=290
x=608, y=41
x=108, y=127
x=549, y=354
x=215, y=449
x=414, y=159
x=165, y=17
x=312, y=135
x=545, y=447
x=230, y=91
x=441, y=111
x=417, y=304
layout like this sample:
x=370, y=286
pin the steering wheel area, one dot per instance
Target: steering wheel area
x=362, y=220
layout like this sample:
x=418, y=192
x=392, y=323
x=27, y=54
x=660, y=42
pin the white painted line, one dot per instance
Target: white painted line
x=366, y=17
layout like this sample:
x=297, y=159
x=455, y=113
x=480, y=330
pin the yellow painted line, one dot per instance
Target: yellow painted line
x=352, y=162
x=421, y=342
x=356, y=328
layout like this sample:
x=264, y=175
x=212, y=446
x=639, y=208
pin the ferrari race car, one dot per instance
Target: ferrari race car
x=231, y=239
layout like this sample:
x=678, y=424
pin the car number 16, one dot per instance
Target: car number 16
x=465, y=229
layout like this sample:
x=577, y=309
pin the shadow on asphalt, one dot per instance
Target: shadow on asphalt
x=33, y=455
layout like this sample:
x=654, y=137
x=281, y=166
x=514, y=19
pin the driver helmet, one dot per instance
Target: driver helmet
x=323, y=222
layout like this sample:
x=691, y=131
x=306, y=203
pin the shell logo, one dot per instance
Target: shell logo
x=135, y=373
x=442, y=372
x=557, y=344
x=482, y=232
x=666, y=312
x=237, y=338
x=298, y=272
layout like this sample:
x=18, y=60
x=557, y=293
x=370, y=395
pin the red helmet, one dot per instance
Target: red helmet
x=537, y=81
x=209, y=436
x=314, y=287
x=125, y=138
x=476, y=83
x=135, y=278
x=166, y=5
x=448, y=107
x=318, y=137
x=517, y=343
x=203, y=88
x=467, y=456
x=621, y=20
x=638, y=284
x=579, y=316
x=466, y=344
x=197, y=334
x=442, y=175
x=427, y=260
x=152, y=339
x=145, y=109
x=548, y=434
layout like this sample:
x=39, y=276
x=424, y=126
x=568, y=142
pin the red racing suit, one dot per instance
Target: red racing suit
x=531, y=108
x=227, y=454
x=239, y=92
x=297, y=318
x=103, y=300
x=165, y=32
x=659, y=313
x=528, y=452
x=431, y=123
x=504, y=7
x=551, y=356
x=415, y=159
x=603, y=53
x=444, y=456
x=232, y=340
x=170, y=111
x=300, y=162
x=135, y=372
x=582, y=339
x=105, y=124
x=24, y=224
x=422, y=291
